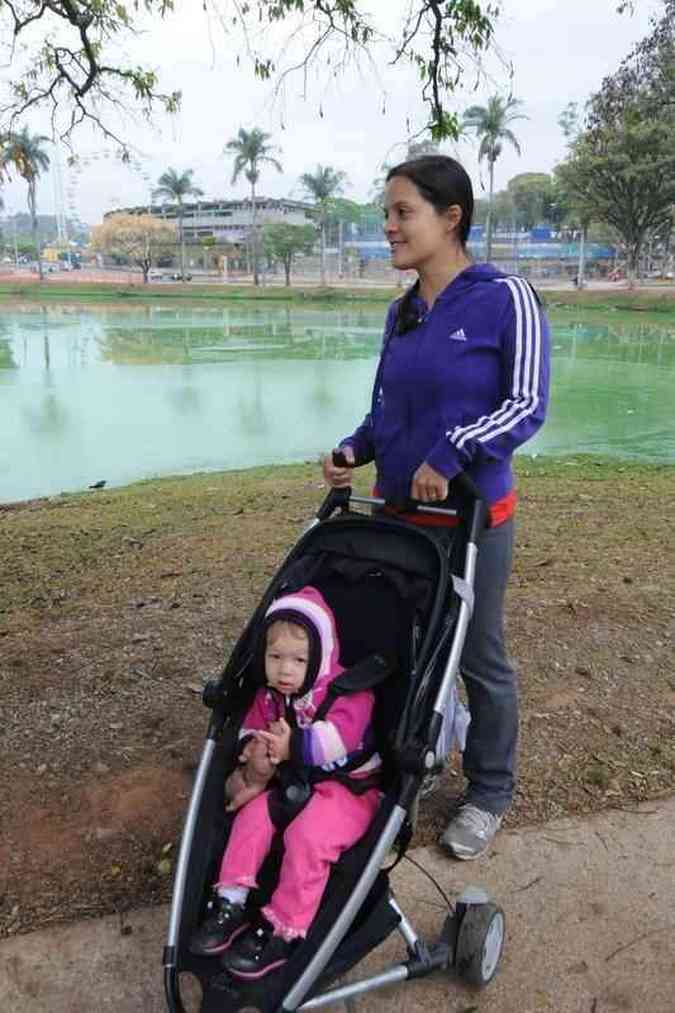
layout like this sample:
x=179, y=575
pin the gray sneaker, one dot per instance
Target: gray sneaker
x=430, y=782
x=469, y=834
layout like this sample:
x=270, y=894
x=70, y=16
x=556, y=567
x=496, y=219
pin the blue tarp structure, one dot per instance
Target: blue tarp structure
x=523, y=249
x=366, y=239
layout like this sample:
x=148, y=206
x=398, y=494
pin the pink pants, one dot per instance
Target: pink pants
x=333, y=820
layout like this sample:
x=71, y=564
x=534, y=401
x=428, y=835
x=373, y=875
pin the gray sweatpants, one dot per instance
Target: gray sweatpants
x=490, y=753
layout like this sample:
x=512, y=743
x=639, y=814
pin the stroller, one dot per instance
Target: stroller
x=402, y=599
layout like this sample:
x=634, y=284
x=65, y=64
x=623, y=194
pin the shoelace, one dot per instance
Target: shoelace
x=476, y=820
x=262, y=939
x=224, y=914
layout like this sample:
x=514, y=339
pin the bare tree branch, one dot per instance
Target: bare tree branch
x=69, y=74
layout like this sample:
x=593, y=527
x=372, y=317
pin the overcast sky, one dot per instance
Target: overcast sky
x=560, y=51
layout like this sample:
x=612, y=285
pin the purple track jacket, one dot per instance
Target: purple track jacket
x=461, y=390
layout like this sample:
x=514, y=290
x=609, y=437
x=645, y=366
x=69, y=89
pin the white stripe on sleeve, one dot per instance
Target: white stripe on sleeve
x=527, y=356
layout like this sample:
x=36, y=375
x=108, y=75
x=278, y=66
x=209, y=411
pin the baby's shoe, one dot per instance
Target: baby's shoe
x=225, y=922
x=257, y=953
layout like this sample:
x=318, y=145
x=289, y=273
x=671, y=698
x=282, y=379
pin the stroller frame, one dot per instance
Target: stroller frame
x=471, y=938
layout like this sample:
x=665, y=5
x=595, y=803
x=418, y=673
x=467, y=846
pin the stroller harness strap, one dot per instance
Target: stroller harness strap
x=294, y=785
x=364, y=675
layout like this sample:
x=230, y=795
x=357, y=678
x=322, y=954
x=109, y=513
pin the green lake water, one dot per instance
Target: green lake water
x=116, y=394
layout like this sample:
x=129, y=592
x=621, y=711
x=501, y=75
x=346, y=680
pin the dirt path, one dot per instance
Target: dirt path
x=115, y=606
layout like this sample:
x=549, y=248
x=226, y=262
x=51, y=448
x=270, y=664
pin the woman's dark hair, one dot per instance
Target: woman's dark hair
x=441, y=181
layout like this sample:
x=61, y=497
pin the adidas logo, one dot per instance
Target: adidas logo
x=458, y=335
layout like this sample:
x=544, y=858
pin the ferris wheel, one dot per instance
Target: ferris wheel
x=84, y=168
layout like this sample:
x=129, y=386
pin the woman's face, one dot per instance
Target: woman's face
x=416, y=232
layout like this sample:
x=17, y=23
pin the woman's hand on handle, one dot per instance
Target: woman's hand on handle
x=428, y=485
x=335, y=475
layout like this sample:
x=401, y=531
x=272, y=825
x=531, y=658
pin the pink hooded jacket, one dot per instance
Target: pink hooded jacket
x=346, y=730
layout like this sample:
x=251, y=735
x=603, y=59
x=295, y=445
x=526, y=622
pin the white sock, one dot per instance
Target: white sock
x=235, y=894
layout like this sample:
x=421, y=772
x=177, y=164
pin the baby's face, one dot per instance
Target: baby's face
x=286, y=658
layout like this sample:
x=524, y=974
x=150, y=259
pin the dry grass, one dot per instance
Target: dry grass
x=115, y=605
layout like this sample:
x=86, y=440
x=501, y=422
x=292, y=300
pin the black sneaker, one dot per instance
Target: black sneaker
x=257, y=953
x=225, y=922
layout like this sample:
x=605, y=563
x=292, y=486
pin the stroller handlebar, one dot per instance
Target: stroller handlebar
x=337, y=499
x=462, y=487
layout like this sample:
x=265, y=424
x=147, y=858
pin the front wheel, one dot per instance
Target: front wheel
x=480, y=942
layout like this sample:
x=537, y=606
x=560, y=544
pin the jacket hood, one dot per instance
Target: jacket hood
x=472, y=275
x=308, y=608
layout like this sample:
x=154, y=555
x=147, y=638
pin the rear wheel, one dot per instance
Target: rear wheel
x=480, y=942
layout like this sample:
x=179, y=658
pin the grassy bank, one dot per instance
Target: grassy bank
x=188, y=489
x=116, y=605
x=647, y=300
x=83, y=292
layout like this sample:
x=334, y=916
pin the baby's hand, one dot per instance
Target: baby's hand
x=247, y=751
x=278, y=741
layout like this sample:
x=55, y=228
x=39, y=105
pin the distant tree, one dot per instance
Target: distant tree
x=648, y=72
x=27, y=248
x=174, y=186
x=284, y=242
x=251, y=150
x=491, y=126
x=502, y=211
x=323, y=185
x=627, y=177
x=533, y=196
x=208, y=245
x=346, y=211
x=621, y=167
x=569, y=121
x=142, y=239
x=573, y=210
x=25, y=152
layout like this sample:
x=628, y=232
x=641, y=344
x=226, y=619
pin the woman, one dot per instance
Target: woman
x=462, y=381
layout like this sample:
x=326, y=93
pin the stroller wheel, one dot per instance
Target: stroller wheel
x=480, y=942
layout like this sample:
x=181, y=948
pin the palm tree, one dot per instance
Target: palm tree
x=490, y=123
x=251, y=150
x=174, y=187
x=25, y=152
x=322, y=186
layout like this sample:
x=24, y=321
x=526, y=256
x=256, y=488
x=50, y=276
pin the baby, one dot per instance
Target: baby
x=333, y=753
